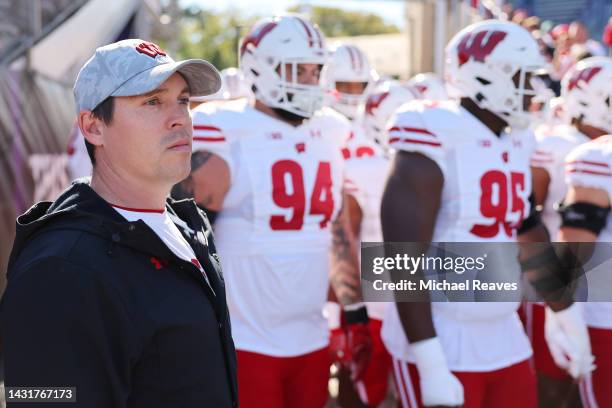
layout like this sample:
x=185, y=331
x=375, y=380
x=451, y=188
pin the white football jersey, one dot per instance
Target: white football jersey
x=273, y=231
x=367, y=167
x=487, y=183
x=590, y=165
x=549, y=155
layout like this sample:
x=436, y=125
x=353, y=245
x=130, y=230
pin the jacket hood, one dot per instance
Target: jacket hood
x=78, y=208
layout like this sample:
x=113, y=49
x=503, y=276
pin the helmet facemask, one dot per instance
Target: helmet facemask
x=492, y=62
x=347, y=103
x=300, y=99
x=270, y=57
x=508, y=94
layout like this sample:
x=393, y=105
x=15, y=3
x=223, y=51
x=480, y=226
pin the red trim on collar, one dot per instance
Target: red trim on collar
x=142, y=210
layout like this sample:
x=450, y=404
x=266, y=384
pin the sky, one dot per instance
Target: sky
x=391, y=11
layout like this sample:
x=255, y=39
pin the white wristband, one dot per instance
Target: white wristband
x=572, y=314
x=429, y=357
x=332, y=313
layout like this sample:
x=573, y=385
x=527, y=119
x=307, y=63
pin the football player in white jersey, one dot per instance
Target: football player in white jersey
x=586, y=218
x=380, y=106
x=461, y=175
x=585, y=89
x=349, y=81
x=428, y=86
x=274, y=172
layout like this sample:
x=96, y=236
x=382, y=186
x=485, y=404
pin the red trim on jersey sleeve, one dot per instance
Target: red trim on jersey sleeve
x=209, y=138
x=591, y=163
x=394, y=140
x=592, y=172
x=207, y=133
x=595, y=168
x=206, y=127
x=411, y=130
x=350, y=186
x=537, y=162
x=542, y=156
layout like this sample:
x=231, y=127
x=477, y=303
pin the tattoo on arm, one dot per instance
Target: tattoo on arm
x=198, y=159
x=340, y=241
x=344, y=269
x=185, y=188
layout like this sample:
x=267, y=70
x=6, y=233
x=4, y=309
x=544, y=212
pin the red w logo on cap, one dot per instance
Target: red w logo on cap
x=583, y=75
x=150, y=49
x=474, y=45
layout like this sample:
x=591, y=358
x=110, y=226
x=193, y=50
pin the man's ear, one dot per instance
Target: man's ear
x=91, y=127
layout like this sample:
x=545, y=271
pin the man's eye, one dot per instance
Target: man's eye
x=152, y=102
x=184, y=101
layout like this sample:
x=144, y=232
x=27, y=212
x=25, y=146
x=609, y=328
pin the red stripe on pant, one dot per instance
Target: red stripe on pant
x=508, y=387
x=282, y=382
x=596, y=390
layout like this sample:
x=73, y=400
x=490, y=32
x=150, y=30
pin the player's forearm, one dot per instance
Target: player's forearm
x=345, y=276
x=408, y=214
x=544, y=268
x=187, y=187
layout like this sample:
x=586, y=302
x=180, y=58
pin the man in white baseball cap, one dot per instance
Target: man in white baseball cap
x=115, y=292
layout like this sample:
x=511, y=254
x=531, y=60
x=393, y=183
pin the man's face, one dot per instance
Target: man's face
x=150, y=135
x=351, y=88
x=307, y=74
x=527, y=86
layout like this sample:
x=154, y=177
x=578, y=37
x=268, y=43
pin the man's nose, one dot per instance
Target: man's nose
x=179, y=117
x=311, y=78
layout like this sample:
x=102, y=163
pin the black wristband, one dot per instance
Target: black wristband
x=359, y=315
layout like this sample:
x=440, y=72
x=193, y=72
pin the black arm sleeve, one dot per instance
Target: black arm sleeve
x=587, y=216
x=533, y=219
x=61, y=328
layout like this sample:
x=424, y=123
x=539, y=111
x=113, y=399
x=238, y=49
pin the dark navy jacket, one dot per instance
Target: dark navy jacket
x=101, y=304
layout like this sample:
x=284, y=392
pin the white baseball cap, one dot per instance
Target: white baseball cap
x=135, y=67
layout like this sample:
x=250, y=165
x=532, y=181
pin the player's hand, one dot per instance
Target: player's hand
x=359, y=346
x=568, y=340
x=338, y=346
x=443, y=388
x=337, y=336
x=350, y=342
x=439, y=387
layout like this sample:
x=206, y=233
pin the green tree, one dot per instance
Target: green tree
x=335, y=22
x=212, y=36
